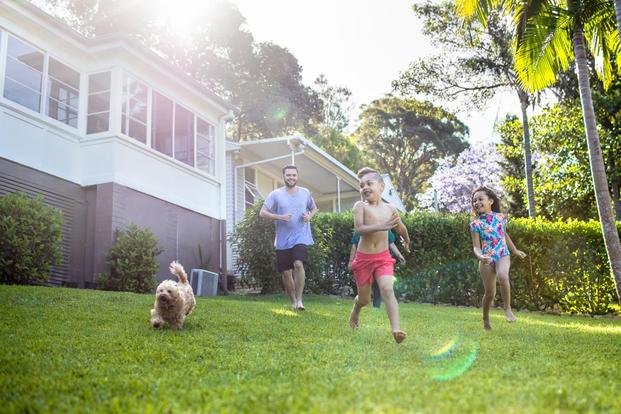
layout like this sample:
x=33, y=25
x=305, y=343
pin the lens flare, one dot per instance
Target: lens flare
x=452, y=359
x=284, y=312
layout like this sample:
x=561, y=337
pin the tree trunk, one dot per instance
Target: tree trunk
x=598, y=172
x=528, y=167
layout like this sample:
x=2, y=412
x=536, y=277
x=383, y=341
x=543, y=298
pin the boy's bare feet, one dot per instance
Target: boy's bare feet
x=354, y=318
x=399, y=336
x=486, y=325
x=301, y=306
x=510, y=316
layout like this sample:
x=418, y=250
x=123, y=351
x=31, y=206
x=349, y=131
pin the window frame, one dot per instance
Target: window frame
x=45, y=78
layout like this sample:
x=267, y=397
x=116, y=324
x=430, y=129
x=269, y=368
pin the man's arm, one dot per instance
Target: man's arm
x=265, y=213
x=362, y=228
x=309, y=214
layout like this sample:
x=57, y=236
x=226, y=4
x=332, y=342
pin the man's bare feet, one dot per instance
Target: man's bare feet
x=510, y=316
x=399, y=336
x=354, y=318
x=486, y=325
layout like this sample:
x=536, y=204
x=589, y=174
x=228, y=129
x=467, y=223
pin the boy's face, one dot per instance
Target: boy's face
x=370, y=187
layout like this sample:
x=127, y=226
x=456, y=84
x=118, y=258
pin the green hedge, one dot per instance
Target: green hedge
x=131, y=261
x=566, y=267
x=30, y=239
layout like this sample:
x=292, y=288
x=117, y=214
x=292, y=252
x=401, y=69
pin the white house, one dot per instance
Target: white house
x=254, y=169
x=112, y=134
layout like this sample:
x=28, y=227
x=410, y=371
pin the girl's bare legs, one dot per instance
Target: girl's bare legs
x=362, y=299
x=392, y=307
x=488, y=277
x=502, y=272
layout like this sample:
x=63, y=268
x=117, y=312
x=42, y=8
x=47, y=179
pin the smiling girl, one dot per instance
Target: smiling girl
x=491, y=245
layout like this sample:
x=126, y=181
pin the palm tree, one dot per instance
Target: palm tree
x=548, y=35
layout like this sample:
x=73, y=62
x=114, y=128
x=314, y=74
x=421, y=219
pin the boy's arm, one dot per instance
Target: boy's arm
x=362, y=228
x=401, y=230
x=512, y=247
x=352, y=253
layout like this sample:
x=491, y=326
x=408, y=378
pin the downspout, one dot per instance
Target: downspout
x=230, y=115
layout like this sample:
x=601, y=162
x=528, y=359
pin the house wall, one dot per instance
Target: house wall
x=64, y=195
x=91, y=215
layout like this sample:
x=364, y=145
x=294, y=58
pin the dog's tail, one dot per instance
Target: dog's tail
x=177, y=270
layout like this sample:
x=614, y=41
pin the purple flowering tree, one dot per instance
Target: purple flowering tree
x=456, y=177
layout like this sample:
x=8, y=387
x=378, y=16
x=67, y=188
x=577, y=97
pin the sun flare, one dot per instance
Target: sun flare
x=181, y=16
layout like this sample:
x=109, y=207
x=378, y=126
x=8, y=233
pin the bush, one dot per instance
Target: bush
x=566, y=267
x=30, y=237
x=131, y=261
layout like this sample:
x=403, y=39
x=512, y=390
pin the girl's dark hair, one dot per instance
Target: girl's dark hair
x=491, y=194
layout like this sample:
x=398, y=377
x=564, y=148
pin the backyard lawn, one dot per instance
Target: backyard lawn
x=69, y=350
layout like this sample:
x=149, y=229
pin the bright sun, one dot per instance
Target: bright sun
x=180, y=16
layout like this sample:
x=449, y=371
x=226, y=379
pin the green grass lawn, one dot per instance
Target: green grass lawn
x=67, y=350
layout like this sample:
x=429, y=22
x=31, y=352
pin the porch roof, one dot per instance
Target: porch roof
x=321, y=173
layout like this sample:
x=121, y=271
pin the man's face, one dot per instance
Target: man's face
x=291, y=177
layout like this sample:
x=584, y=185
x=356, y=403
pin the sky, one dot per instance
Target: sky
x=360, y=44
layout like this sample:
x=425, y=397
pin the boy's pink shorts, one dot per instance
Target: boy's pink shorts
x=369, y=266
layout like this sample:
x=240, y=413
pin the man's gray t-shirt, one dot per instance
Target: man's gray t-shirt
x=295, y=231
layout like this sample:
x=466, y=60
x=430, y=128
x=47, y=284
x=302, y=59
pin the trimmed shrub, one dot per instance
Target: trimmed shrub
x=30, y=237
x=132, y=261
x=566, y=267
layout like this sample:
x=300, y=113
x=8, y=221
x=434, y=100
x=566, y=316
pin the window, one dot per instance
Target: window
x=98, y=119
x=162, y=124
x=24, y=74
x=184, y=135
x=205, y=146
x=63, y=93
x=134, y=117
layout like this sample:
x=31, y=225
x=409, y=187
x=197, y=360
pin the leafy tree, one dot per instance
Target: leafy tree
x=512, y=166
x=407, y=138
x=342, y=147
x=336, y=103
x=475, y=62
x=451, y=185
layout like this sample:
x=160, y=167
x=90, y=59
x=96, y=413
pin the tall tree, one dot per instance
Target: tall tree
x=406, y=138
x=336, y=103
x=548, y=35
x=476, y=62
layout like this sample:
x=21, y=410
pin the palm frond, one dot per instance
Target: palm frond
x=602, y=37
x=542, y=43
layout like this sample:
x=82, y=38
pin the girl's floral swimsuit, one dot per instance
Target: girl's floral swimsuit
x=491, y=230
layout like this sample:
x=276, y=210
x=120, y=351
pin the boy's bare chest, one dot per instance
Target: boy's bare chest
x=375, y=214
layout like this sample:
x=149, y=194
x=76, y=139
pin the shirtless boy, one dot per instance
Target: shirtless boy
x=372, y=220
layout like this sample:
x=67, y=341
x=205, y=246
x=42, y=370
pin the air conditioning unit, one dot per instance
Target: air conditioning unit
x=204, y=282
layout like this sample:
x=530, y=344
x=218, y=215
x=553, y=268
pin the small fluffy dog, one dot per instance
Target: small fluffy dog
x=173, y=300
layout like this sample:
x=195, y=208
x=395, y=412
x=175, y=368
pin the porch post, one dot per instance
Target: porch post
x=338, y=194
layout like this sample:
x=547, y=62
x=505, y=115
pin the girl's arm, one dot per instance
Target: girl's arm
x=512, y=247
x=362, y=228
x=395, y=250
x=476, y=246
x=352, y=253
